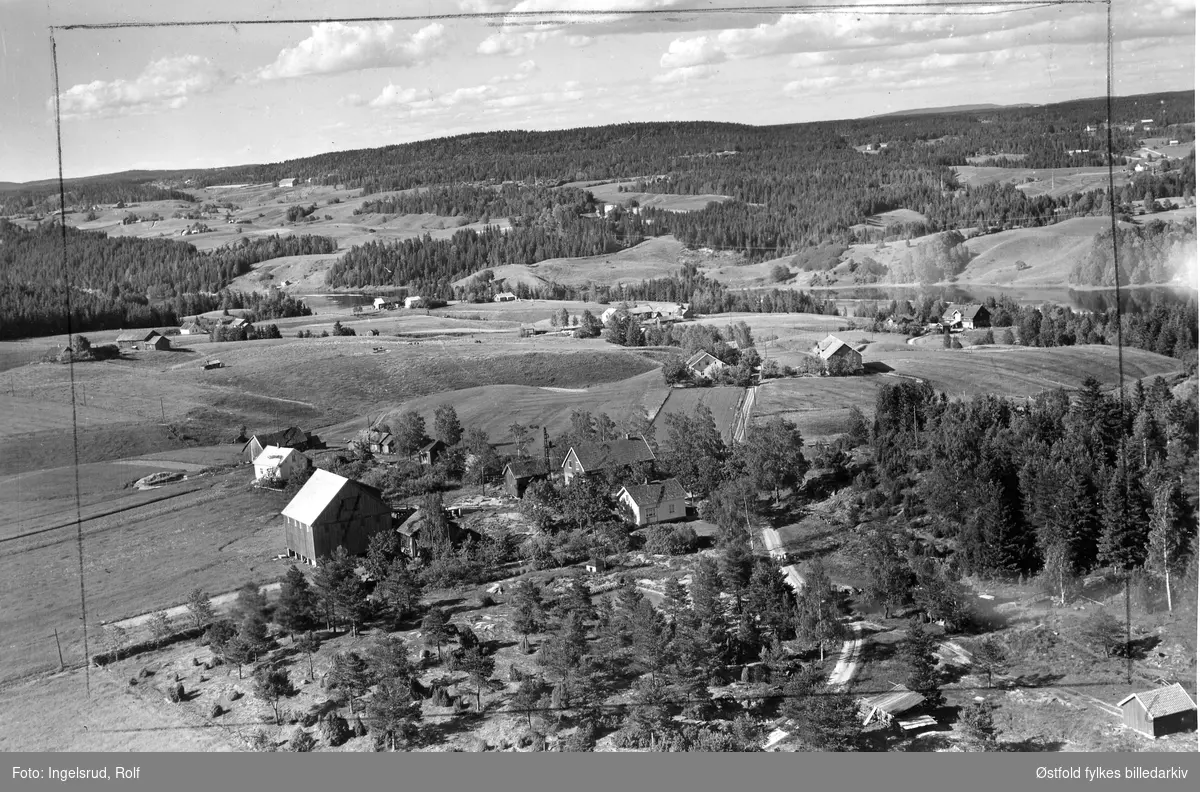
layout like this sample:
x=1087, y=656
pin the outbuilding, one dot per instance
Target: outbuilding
x=332, y=511
x=1159, y=712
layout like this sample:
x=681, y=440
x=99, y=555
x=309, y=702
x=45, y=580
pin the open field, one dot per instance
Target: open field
x=1033, y=182
x=722, y=400
x=819, y=406
x=1022, y=371
x=612, y=192
x=494, y=408
x=1050, y=251
x=653, y=258
x=175, y=543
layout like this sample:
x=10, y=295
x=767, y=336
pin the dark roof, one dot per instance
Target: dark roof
x=137, y=335
x=1163, y=701
x=968, y=312
x=656, y=492
x=433, y=445
x=610, y=453
x=527, y=468
x=284, y=438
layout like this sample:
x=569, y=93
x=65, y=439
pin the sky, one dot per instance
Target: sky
x=171, y=96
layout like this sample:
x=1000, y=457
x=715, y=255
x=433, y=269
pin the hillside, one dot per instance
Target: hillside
x=1050, y=252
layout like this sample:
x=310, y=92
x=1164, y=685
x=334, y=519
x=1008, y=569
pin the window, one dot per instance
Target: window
x=671, y=509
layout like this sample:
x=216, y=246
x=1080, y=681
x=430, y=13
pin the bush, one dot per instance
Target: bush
x=335, y=730
x=302, y=742
x=670, y=539
x=261, y=742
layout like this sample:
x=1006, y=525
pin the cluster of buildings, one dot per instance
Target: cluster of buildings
x=146, y=340
x=965, y=317
x=651, y=312
x=383, y=304
x=332, y=510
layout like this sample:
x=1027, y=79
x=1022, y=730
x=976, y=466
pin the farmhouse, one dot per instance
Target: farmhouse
x=1157, y=713
x=380, y=304
x=292, y=437
x=966, y=317
x=886, y=706
x=331, y=511
x=832, y=349
x=592, y=457
x=381, y=442
x=415, y=532
x=656, y=502
x=429, y=453
x=137, y=339
x=287, y=182
x=519, y=473
x=504, y=297
x=414, y=302
x=279, y=463
x=192, y=328
x=662, y=311
x=704, y=364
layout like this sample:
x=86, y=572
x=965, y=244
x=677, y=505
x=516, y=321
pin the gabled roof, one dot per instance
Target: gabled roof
x=526, y=468
x=657, y=492
x=832, y=345
x=274, y=455
x=899, y=699
x=702, y=360
x=432, y=445
x=1162, y=701
x=137, y=335
x=610, y=453
x=968, y=312
x=315, y=496
x=285, y=438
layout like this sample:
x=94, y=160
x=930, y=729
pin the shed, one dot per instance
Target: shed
x=658, y=501
x=134, y=338
x=332, y=511
x=504, y=297
x=415, y=528
x=520, y=472
x=886, y=706
x=414, y=302
x=428, y=454
x=1157, y=713
x=158, y=343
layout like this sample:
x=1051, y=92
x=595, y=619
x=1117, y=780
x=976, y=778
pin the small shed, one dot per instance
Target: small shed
x=158, y=343
x=429, y=453
x=886, y=706
x=520, y=472
x=505, y=297
x=1157, y=713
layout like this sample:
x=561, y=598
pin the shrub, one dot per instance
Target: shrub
x=670, y=539
x=302, y=742
x=176, y=693
x=261, y=742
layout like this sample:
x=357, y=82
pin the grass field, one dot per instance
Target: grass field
x=217, y=534
x=819, y=406
x=1033, y=182
x=494, y=408
x=1050, y=251
x=722, y=400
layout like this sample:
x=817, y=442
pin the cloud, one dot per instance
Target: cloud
x=165, y=84
x=685, y=74
x=410, y=99
x=524, y=71
x=334, y=47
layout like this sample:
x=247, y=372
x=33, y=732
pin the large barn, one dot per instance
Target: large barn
x=834, y=350
x=331, y=511
x=1157, y=713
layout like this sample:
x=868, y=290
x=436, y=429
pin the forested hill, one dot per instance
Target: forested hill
x=1044, y=134
x=121, y=282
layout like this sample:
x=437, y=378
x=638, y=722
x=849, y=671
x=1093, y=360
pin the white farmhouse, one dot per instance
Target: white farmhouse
x=278, y=463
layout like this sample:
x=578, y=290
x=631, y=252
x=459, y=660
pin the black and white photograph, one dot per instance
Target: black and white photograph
x=642, y=376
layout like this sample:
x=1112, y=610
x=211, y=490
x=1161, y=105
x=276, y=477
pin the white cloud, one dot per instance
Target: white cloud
x=335, y=47
x=698, y=51
x=164, y=84
x=524, y=71
x=410, y=99
x=685, y=74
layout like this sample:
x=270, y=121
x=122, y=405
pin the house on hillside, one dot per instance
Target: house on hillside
x=520, y=473
x=704, y=364
x=656, y=502
x=414, y=532
x=834, y=350
x=1157, y=713
x=292, y=437
x=332, y=511
x=414, y=302
x=504, y=297
x=192, y=328
x=885, y=707
x=966, y=317
x=381, y=442
x=428, y=454
x=279, y=463
x=592, y=457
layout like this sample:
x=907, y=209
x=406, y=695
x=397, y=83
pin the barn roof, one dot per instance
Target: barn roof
x=315, y=496
x=433, y=445
x=527, y=468
x=832, y=345
x=610, y=453
x=655, y=493
x=899, y=699
x=1162, y=701
x=292, y=436
x=137, y=335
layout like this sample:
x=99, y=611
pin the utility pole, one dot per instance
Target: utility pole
x=162, y=408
